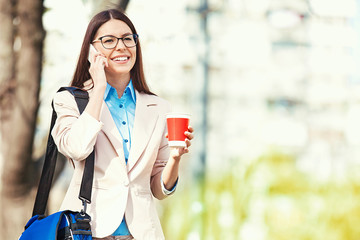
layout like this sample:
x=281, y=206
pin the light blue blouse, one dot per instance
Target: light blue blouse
x=123, y=113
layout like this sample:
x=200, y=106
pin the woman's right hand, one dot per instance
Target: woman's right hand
x=98, y=62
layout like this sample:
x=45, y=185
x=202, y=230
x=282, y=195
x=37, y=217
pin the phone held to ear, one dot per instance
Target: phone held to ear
x=92, y=52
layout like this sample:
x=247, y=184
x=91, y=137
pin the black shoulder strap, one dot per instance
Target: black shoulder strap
x=81, y=98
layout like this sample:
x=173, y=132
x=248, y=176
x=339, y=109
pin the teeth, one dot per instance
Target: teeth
x=120, y=59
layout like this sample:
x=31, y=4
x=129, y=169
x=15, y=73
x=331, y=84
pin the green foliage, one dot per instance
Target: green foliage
x=267, y=199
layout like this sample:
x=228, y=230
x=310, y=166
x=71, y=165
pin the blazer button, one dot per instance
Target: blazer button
x=126, y=183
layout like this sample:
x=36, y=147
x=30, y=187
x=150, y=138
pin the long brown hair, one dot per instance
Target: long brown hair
x=82, y=68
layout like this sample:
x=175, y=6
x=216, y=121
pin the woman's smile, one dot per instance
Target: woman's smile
x=120, y=59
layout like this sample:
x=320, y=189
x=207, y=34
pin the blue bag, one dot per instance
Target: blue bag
x=63, y=225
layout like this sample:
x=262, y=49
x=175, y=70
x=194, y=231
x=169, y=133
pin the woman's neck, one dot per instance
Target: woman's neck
x=119, y=83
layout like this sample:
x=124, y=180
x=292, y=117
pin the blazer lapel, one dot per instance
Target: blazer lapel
x=112, y=132
x=145, y=121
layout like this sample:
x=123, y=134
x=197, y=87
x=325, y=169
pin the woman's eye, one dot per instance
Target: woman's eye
x=108, y=40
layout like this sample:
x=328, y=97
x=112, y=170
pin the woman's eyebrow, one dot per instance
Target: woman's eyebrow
x=125, y=34
x=114, y=35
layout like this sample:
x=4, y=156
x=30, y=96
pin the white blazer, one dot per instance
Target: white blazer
x=118, y=188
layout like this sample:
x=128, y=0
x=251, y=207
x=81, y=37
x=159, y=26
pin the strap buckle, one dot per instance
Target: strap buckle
x=83, y=210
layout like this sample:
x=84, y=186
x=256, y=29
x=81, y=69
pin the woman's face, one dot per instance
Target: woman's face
x=121, y=59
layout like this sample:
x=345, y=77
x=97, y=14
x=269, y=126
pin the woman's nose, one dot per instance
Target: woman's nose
x=120, y=45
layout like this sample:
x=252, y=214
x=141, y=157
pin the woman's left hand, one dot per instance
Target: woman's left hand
x=177, y=152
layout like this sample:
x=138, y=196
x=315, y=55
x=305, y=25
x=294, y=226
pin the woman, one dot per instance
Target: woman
x=125, y=123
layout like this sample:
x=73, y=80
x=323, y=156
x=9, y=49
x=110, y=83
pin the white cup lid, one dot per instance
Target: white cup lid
x=178, y=115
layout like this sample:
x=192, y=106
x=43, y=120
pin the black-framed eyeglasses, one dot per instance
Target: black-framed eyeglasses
x=110, y=42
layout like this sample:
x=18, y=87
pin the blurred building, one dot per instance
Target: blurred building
x=282, y=74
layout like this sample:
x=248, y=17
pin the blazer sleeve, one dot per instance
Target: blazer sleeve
x=74, y=134
x=161, y=161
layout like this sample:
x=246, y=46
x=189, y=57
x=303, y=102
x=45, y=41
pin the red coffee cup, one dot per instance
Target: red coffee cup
x=177, y=125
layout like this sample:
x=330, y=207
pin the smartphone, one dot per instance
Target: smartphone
x=92, y=52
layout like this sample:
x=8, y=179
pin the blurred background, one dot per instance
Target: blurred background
x=273, y=89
